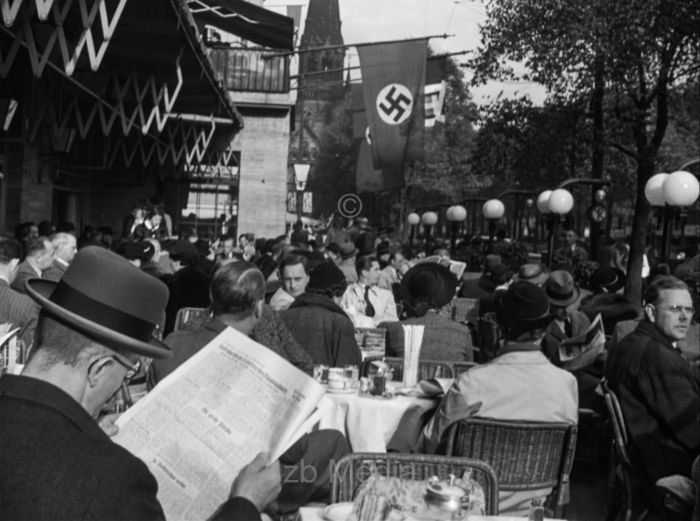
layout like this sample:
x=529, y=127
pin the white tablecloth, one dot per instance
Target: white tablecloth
x=369, y=422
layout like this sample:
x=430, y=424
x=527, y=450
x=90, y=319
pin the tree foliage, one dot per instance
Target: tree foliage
x=446, y=173
x=641, y=48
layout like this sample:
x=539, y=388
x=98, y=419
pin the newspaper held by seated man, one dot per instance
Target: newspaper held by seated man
x=582, y=350
x=212, y=415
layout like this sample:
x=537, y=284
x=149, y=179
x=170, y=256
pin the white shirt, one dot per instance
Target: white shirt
x=353, y=302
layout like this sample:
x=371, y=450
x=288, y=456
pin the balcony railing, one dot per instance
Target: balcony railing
x=247, y=70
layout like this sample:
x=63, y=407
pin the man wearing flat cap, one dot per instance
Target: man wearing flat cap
x=56, y=462
x=519, y=384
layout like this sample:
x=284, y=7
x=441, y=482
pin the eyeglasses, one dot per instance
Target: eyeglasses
x=131, y=369
x=676, y=310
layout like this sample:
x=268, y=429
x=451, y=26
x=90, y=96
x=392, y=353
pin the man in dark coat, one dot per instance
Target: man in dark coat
x=56, y=461
x=656, y=386
x=319, y=324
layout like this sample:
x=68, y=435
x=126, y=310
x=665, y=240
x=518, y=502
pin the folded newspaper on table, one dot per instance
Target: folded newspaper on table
x=582, y=350
x=212, y=415
x=456, y=267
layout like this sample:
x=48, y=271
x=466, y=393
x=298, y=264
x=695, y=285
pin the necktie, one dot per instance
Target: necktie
x=369, y=308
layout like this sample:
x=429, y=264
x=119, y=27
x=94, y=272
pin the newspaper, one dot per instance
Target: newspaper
x=582, y=350
x=212, y=415
x=456, y=267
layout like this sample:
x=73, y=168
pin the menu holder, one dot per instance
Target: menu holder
x=413, y=340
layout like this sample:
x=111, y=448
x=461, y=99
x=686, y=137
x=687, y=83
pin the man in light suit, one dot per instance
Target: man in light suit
x=65, y=248
x=39, y=256
x=56, y=461
x=365, y=303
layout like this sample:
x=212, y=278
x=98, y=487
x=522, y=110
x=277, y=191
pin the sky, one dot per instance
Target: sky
x=381, y=20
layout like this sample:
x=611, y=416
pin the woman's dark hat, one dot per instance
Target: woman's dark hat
x=560, y=288
x=107, y=298
x=607, y=280
x=428, y=283
x=326, y=276
x=523, y=306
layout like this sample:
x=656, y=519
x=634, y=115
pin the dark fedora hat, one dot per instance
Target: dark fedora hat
x=560, y=288
x=523, y=306
x=607, y=280
x=428, y=285
x=107, y=298
x=132, y=250
x=533, y=273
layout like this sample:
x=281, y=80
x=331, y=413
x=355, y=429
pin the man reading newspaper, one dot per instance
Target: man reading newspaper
x=56, y=461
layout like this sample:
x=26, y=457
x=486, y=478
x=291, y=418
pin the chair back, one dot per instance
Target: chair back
x=620, y=441
x=187, y=319
x=459, y=368
x=464, y=309
x=525, y=455
x=426, y=368
x=354, y=469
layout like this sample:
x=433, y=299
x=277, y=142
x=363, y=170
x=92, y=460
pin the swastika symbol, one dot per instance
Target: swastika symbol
x=394, y=104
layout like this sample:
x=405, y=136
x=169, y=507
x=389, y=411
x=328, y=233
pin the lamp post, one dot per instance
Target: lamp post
x=456, y=215
x=301, y=174
x=560, y=202
x=429, y=219
x=413, y=220
x=679, y=189
x=597, y=213
x=492, y=210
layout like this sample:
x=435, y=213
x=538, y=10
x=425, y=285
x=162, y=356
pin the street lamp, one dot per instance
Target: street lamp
x=429, y=219
x=456, y=215
x=560, y=203
x=492, y=210
x=413, y=220
x=301, y=174
x=679, y=189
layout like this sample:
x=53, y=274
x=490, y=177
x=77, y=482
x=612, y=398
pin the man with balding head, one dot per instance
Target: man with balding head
x=237, y=292
x=65, y=248
x=39, y=256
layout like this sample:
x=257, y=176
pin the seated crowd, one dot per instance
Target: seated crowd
x=304, y=300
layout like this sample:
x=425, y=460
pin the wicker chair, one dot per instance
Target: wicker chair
x=525, y=455
x=625, y=470
x=187, y=319
x=426, y=368
x=464, y=309
x=354, y=469
x=459, y=368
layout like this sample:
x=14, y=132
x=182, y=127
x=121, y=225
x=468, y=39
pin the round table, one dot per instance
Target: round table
x=369, y=422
